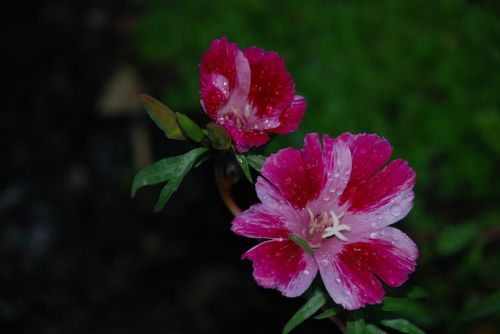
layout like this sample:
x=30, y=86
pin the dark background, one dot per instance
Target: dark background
x=77, y=255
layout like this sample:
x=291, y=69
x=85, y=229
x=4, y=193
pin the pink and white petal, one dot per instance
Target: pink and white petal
x=369, y=153
x=272, y=88
x=348, y=269
x=275, y=202
x=337, y=168
x=217, y=75
x=313, y=158
x=282, y=265
x=390, y=213
x=260, y=222
x=244, y=139
x=382, y=188
x=291, y=117
x=286, y=170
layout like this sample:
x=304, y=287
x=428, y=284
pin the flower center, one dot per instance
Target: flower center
x=324, y=225
x=241, y=116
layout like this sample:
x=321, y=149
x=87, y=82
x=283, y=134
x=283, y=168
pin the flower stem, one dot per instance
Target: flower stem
x=224, y=184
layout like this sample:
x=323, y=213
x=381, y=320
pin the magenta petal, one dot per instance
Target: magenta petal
x=382, y=188
x=218, y=75
x=259, y=222
x=291, y=116
x=276, y=203
x=287, y=171
x=244, y=139
x=282, y=265
x=272, y=89
x=348, y=269
x=337, y=167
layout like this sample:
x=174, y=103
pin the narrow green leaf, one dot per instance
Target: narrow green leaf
x=397, y=304
x=162, y=116
x=301, y=242
x=418, y=292
x=372, y=329
x=402, y=325
x=190, y=128
x=327, y=314
x=314, y=303
x=256, y=161
x=242, y=160
x=355, y=323
x=218, y=136
x=171, y=170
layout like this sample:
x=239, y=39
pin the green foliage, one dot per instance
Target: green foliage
x=171, y=170
x=256, y=161
x=301, y=242
x=219, y=139
x=403, y=326
x=422, y=74
x=355, y=323
x=327, y=314
x=314, y=303
x=190, y=128
x=243, y=162
x=163, y=117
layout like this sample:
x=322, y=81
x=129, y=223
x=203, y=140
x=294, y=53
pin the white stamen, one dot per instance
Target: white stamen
x=336, y=229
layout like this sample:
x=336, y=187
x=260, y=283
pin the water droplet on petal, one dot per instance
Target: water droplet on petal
x=324, y=262
x=395, y=210
x=332, y=190
x=305, y=272
x=373, y=235
x=338, y=280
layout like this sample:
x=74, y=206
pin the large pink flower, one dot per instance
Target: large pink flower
x=340, y=199
x=249, y=93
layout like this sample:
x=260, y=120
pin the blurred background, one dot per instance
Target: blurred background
x=77, y=255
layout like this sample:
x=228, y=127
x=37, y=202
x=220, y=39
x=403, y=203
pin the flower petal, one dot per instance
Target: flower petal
x=369, y=153
x=348, y=269
x=295, y=173
x=382, y=188
x=282, y=265
x=276, y=203
x=217, y=75
x=272, y=88
x=337, y=167
x=244, y=139
x=259, y=222
x=291, y=117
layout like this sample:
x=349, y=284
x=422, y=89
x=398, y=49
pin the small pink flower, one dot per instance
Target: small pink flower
x=340, y=199
x=249, y=93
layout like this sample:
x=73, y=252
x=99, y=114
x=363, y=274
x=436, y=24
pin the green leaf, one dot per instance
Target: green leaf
x=314, y=303
x=162, y=116
x=397, y=304
x=355, y=323
x=483, y=308
x=218, y=136
x=190, y=128
x=242, y=160
x=256, y=161
x=301, y=242
x=372, y=329
x=402, y=325
x=171, y=170
x=327, y=314
x=455, y=238
x=418, y=292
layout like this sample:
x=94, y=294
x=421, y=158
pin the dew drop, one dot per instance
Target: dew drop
x=326, y=198
x=395, y=210
x=305, y=272
x=338, y=280
x=373, y=235
x=324, y=262
x=332, y=190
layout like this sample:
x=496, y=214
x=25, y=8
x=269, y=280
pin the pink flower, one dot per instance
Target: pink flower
x=249, y=93
x=340, y=199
